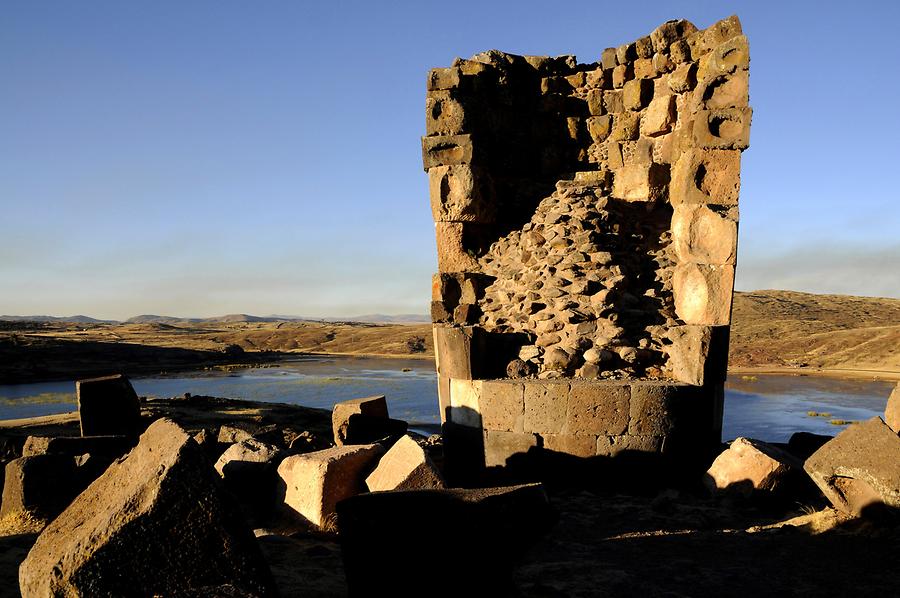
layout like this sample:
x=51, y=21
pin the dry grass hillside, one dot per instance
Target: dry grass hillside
x=771, y=329
x=789, y=329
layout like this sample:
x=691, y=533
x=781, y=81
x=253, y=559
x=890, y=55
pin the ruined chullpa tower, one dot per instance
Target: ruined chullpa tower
x=586, y=219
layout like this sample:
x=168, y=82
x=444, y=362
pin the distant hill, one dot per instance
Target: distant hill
x=385, y=319
x=236, y=318
x=227, y=319
x=73, y=319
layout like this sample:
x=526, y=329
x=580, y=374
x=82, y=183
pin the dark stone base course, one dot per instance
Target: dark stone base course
x=639, y=434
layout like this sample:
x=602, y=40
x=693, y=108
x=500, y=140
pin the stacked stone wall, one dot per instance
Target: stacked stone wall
x=586, y=225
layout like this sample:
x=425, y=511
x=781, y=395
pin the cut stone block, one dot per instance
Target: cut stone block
x=731, y=56
x=316, y=482
x=697, y=355
x=465, y=402
x=749, y=466
x=502, y=405
x=608, y=59
x=892, y=410
x=728, y=128
x=108, y=406
x=707, y=177
x=599, y=127
x=659, y=117
x=158, y=521
x=405, y=466
x=456, y=349
x=459, y=244
x=106, y=446
x=249, y=471
x=492, y=527
x=597, y=408
x=703, y=236
x=459, y=193
x=641, y=182
x=718, y=33
x=670, y=32
x=656, y=407
x=703, y=293
x=568, y=444
x=616, y=446
x=859, y=468
x=39, y=487
x=510, y=449
x=443, y=78
x=637, y=93
x=366, y=429
x=444, y=115
x=374, y=406
x=717, y=92
x=445, y=150
x=626, y=126
x=545, y=407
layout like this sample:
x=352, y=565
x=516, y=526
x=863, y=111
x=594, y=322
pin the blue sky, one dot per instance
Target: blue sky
x=201, y=158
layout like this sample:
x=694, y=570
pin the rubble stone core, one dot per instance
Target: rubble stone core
x=586, y=225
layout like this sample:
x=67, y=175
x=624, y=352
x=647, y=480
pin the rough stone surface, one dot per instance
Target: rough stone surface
x=158, y=520
x=315, y=482
x=892, y=410
x=39, y=487
x=750, y=465
x=375, y=406
x=405, y=466
x=108, y=406
x=107, y=446
x=860, y=467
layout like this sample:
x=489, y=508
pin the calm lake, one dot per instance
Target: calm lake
x=765, y=407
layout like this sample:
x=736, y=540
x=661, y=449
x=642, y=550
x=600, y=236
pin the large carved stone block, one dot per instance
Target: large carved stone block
x=727, y=128
x=706, y=176
x=598, y=409
x=704, y=236
x=703, y=293
x=459, y=193
x=446, y=150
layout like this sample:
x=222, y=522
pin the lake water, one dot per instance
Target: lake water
x=765, y=407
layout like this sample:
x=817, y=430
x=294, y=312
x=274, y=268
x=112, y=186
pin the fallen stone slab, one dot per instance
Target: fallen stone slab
x=108, y=406
x=39, y=487
x=751, y=466
x=405, y=466
x=482, y=533
x=859, y=468
x=892, y=410
x=249, y=469
x=106, y=446
x=315, y=482
x=366, y=429
x=157, y=522
x=375, y=406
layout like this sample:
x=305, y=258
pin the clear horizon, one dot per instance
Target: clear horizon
x=219, y=158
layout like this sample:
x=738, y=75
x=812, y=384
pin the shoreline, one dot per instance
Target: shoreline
x=272, y=358
x=847, y=374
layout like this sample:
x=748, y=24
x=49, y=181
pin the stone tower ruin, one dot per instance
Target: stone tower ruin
x=586, y=219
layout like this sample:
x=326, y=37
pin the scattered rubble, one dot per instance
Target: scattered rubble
x=157, y=520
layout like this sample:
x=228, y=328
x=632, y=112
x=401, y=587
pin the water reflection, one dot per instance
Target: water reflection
x=765, y=407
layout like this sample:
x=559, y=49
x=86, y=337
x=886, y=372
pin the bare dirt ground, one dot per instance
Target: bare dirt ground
x=772, y=331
